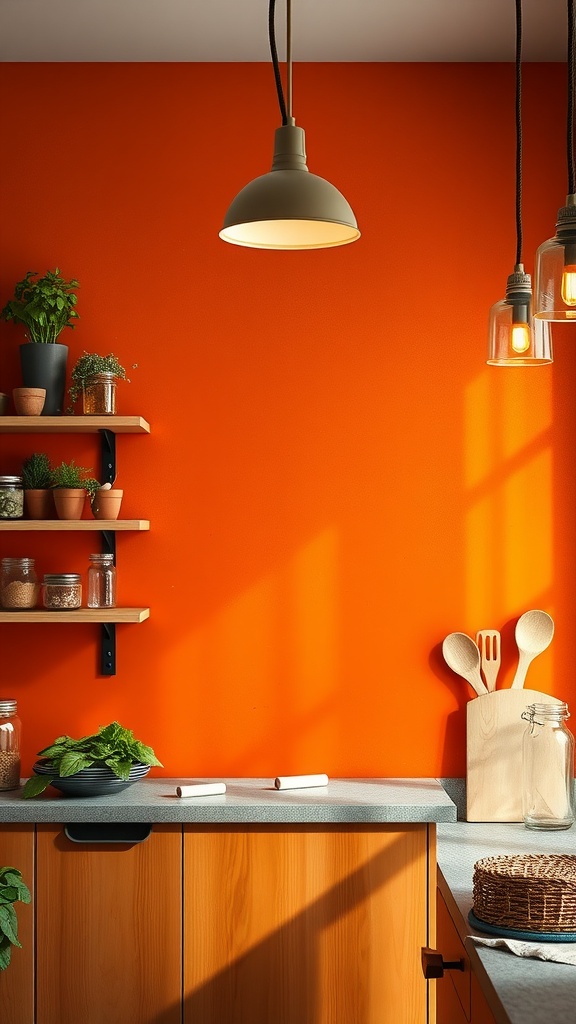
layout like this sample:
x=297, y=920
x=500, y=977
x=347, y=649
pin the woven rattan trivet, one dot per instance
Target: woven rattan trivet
x=529, y=892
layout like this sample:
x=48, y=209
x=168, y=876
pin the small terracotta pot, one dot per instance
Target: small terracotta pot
x=69, y=502
x=39, y=504
x=29, y=401
x=106, y=504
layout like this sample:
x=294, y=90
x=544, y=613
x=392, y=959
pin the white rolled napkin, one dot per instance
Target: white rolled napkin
x=202, y=789
x=300, y=781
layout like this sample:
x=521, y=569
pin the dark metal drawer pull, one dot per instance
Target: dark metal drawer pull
x=433, y=964
x=117, y=832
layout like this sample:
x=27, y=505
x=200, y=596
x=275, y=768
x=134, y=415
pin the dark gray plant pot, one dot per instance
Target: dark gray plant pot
x=44, y=366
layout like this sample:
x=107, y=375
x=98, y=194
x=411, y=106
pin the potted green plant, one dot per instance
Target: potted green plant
x=37, y=483
x=112, y=750
x=44, y=306
x=70, y=484
x=12, y=890
x=95, y=377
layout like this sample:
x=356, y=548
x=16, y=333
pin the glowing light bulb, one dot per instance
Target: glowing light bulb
x=520, y=337
x=569, y=284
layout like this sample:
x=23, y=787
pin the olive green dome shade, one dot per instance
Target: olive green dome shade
x=289, y=208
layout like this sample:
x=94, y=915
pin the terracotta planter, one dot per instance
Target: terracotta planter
x=106, y=504
x=39, y=504
x=69, y=502
x=29, y=401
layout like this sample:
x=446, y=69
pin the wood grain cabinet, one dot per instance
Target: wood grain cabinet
x=17, y=982
x=109, y=929
x=315, y=925
x=459, y=998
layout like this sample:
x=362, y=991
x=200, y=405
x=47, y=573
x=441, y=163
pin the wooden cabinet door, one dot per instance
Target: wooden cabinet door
x=17, y=981
x=481, y=1012
x=315, y=925
x=109, y=929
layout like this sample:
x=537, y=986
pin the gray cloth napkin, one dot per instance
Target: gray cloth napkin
x=560, y=952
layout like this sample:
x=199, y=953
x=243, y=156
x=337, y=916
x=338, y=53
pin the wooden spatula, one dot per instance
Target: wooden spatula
x=488, y=641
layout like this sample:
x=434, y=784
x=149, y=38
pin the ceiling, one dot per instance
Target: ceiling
x=237, y=30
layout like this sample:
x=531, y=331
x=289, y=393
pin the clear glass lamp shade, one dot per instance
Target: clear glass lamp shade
x=555, y=280
x=289, y=208
x=517, y=344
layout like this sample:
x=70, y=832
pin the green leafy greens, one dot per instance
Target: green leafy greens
x=12, y=890
x=113, y=746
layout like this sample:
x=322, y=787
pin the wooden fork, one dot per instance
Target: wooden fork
x=488, y=641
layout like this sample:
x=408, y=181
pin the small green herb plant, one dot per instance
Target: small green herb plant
x=112, y=745
x=86, y=366
x=68, y=474
x=12, y=890
x=36, y=472
x=45, y=306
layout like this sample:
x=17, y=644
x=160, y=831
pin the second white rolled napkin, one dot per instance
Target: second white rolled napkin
x=202, y=789
x=300, y=781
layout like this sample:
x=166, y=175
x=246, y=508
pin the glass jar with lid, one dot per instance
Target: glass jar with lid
x=99, y=394
x=547, y=768
x=11, y=497
x=101, y=581
x=62, y=591
x=19, y=587
x=10, y=740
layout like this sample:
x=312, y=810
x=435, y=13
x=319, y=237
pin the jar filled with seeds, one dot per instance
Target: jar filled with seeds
x=19, y=587
x=10, y=739
x=11, y=497
x=99, y=394
x=62, y=591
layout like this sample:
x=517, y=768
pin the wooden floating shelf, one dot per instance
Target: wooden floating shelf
x=73, y=424
x=81, y=525
x=82, y=615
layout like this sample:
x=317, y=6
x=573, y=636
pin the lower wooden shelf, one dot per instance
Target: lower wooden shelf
x=81, y=615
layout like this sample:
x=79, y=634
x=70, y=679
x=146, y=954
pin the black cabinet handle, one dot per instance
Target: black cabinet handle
x=108, y=832
x=433, y=964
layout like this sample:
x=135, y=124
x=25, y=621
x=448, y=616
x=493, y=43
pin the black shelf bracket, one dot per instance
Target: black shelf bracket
x=109, y=543
x=107, y=456
x=108, y=649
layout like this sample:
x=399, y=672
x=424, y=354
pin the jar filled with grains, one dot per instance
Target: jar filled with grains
x=19, y=587
x=11, y=497
x=62, y=591
x=10, y=739
x=99, y=394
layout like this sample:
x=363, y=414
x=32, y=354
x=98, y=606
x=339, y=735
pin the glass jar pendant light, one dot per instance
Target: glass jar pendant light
x=288, y=208
x=514, y=337
x=555, y=267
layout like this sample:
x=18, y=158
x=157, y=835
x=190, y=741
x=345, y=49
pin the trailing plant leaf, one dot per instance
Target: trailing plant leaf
x=12, y=890
x=36, y=784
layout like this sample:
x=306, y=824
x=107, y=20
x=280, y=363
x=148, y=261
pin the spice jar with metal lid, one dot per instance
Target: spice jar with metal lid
x=19, y=587
x=10, y=740
x=62, y=591
x=547, y=767
x=99, y=394
x=11, y=497
x=101, y=581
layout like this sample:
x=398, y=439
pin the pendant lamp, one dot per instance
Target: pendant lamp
x=514, y=337
x=288, y=208
x=555, y=268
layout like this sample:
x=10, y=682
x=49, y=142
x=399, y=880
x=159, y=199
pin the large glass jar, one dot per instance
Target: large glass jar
x=11, y=497
x=547, y=767
x=99, y=394
x=62, y=591
x=10, y=739
x=19, y=587
x=101, y=581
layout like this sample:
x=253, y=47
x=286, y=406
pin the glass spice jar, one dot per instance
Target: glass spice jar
x=547, y=768
x=11, y=497
x=101, y=581
x=62, y=591
x=10, y=740
x=19, y=587
x=99, y=394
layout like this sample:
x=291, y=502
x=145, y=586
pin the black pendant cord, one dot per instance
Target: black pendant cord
x=570, y=114
x=519, y=131
x=275, y=62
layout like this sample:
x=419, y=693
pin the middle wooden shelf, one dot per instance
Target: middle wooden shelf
x=82, y=525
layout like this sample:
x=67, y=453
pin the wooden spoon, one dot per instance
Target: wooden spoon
x=534, y=632
x=463, y=657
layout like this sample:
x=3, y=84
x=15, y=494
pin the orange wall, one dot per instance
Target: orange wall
x=334, y=478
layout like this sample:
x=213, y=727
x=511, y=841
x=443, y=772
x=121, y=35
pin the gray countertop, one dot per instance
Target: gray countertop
x=519, y=991
x=246, y=801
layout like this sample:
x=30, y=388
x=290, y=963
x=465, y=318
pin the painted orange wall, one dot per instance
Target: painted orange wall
x=334, y=478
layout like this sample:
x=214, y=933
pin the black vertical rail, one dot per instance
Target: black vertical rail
x=108, y=649
x=108, y=476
